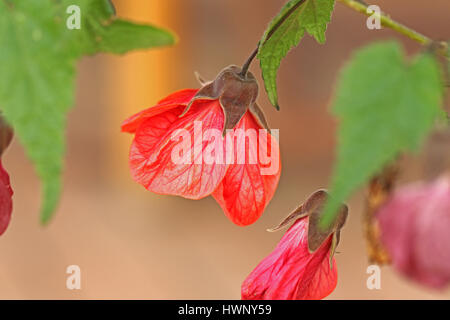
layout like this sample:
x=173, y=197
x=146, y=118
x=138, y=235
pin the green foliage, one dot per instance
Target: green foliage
x=385, y=105
x=285, y=32
x=37, y=63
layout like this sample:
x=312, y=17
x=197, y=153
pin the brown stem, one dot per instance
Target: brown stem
x=247, y=63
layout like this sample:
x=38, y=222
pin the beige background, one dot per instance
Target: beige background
x=133, y=244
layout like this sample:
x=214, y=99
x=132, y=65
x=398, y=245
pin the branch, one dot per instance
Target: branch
x=394, y=25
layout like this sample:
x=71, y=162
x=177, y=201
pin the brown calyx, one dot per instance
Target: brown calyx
x=313, y=208
x=236, y=93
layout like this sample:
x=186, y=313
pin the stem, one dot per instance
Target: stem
x=248, y=62
x=269, y=35
x=388, y=22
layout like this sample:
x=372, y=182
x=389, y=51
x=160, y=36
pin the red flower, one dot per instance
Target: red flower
x=5, y=200
x=6, y=135
x=415, y=226
x=302, y=266
x=191, y=125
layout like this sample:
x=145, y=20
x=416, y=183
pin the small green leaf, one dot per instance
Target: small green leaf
x=37, y=62
x=385, y=105
x=103, y=32
x=285, y=32
x=122, y=36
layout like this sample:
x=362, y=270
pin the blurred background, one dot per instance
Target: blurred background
x=132, y=244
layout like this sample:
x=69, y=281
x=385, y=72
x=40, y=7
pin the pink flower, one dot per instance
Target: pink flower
x=302, y=266
x=415, y=229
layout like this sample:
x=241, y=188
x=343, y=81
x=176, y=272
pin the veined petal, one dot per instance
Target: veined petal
x=249, y=185
x=5, y=199
x=323, y=281
x=179, y=98
x=291, y=272
x=166, y=155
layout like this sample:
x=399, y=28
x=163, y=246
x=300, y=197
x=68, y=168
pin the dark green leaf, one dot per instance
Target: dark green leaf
x=37, y=62
x=286, y=30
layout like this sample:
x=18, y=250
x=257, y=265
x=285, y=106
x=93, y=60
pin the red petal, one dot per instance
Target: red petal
x=5, y=199
x=245, y=192
x=174, y=100
x=151, y=152
x=291, y=272
x=323, y=281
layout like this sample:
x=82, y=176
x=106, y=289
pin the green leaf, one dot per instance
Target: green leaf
x=106, y=33
x=36, y=86
x=285, y=32
x=37, y=62
x=385, y=105
x=122, y=36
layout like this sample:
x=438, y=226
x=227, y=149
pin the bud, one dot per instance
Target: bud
x=302, y=266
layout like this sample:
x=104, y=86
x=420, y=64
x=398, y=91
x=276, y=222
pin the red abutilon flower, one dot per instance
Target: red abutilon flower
x=5, y=187
x=302, y=266
x=415, y=229
x=211, y=141
x=5, y=199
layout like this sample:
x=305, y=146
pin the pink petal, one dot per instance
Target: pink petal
x=397, y=219
x=414, y=227
x=432, y=240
